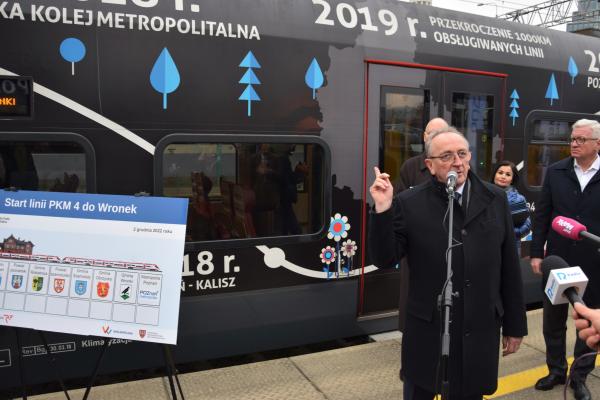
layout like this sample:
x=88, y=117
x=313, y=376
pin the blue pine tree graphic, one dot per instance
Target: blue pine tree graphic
x=249, y=78
x=514, y=105
x=164, y=76
x=314, y=76
x=552, y=91
x=573, y=70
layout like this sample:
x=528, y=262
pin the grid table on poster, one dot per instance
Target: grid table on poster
x=108, y=294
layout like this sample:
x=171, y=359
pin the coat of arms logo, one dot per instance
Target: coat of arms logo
x=102, y=289
x=59, y=285
x=80, y=287
x=37, y=282
x=17, y=281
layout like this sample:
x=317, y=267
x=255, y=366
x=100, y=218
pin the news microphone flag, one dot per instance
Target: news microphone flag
x=568, y=227
x=572, y=229
x=562, y=279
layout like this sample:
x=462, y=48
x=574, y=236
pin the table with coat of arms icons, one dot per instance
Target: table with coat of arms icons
x=107, y=294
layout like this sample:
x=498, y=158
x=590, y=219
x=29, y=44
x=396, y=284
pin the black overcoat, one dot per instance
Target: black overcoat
x=487, y=278
x=562, y=196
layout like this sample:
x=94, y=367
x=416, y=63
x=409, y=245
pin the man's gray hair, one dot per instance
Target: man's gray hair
x=589, y=123
x=443, y=131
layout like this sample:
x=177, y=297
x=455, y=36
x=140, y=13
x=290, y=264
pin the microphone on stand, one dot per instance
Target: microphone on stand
x=565, y=283
x=451, y=179
x=572, y=229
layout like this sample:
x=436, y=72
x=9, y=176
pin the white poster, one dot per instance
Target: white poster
x=89, y=264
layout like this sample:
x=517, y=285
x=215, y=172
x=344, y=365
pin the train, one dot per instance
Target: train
x=269, y=115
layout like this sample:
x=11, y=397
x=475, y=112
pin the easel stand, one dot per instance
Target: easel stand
x=49, y=356
x=170, y=369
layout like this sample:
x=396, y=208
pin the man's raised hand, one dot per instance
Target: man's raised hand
x=381, y=191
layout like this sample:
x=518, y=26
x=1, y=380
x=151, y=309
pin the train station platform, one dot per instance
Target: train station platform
x=362, y=372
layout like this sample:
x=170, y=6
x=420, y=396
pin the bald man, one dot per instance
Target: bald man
x=414, y=172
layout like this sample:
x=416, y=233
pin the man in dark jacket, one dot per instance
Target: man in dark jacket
x=412, y=173
x=571, y=189
x=486, y=273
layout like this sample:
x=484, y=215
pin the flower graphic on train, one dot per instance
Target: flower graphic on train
x=327, y=255
x=349, y=248
x=338, y=227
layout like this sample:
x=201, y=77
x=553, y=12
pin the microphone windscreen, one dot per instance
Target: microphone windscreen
x=568, y=227
x=553, y=262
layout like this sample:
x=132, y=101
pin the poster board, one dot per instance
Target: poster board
x=101, y=265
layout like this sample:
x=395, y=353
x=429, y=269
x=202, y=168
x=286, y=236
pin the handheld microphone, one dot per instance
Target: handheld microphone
x=565, y=284
x=451, y=181
x=572, y=229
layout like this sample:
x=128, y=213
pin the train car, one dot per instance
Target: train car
x=269, y=116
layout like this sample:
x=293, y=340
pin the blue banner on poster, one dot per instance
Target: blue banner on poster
x=95, y=206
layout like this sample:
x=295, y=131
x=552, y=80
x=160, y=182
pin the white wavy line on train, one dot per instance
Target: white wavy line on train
x=86, y=112
x=275, y=258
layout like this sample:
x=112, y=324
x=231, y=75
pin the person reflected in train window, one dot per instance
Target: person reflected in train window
x=288, y=183
x=571, y=189
x=70, y=183
x=506, y=176
x=486, y=276
x=19, y=167
x=412, y=173
x=265, y=183
x=200, y=216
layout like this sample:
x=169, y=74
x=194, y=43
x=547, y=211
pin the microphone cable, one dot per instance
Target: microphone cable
x=581, y=357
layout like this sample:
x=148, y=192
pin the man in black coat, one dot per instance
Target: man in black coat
x=571, y=189
x=412, y=173
x=486, y=272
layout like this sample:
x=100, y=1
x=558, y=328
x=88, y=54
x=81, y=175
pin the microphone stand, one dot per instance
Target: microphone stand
x=446, y=301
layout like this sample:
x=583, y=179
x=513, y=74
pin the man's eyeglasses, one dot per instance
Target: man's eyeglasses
x=580, y=140
x=449, y=156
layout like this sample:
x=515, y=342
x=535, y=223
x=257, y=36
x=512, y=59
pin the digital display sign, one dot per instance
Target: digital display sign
x=16, y=97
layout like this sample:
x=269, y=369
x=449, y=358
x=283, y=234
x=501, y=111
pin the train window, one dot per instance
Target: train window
x=53, y=166
x=247, y=190
x=404, y=112
x=473, y=114
x=548, y=144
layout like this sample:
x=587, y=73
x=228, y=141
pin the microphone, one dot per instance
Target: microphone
x=565, y=284
x=451, y=181
x=572, y=229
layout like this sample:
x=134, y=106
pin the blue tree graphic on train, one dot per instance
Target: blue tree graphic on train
x=514, y=105
x=573, y=70
x=164, y=76
x=552, y=91
x=72, y=50
x=338, y=229
x=314, y=77
x=249, y=79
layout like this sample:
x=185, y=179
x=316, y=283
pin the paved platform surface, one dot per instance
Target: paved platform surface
x=362, y=372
